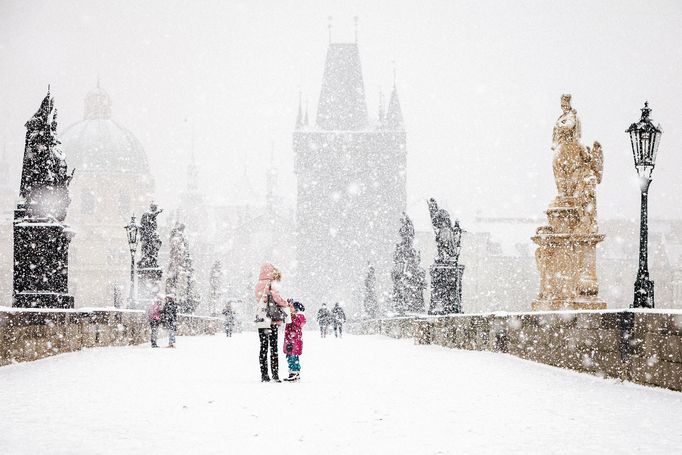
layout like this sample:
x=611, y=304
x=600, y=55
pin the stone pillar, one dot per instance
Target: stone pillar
x=446, y=288
x=567, y=263
x=148, y=286
x=41, y=262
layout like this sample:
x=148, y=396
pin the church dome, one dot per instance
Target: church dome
x=97, y=144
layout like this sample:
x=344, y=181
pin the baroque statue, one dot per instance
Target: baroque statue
x=577, y=169
x=149, y=236
x=448, y=237
x=44, y=176
x=409, y=279
x=566, y=253
x=446, y=271
x=41, y=238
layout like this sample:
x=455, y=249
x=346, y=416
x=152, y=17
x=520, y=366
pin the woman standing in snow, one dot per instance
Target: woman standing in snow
x=267, y=327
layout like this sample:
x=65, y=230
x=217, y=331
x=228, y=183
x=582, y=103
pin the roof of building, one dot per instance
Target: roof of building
x=342, y=104
x=394, y=115
x=99, y=144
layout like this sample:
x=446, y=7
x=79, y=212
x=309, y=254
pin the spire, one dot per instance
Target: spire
x=355, y=20
x=382, y=114
x=270, y=182
x=4, y=167
x=97, y=104
x=299, y=117
x=305, y=120
x=329, y=27
x=394, y=73
x=342, y=104
x=192, y=170
x=394, y=115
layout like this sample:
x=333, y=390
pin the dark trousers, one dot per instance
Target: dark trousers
x=268, y=337
x=338, y=330
x=154, y=325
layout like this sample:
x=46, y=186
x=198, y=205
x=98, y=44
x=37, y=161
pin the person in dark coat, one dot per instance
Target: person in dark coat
x=338, y=319
x=228, y=312
x=324, y=319
x=170, y=319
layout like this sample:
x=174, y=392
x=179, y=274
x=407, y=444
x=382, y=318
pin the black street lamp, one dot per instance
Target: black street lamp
x=645, y=138
x=131, y=231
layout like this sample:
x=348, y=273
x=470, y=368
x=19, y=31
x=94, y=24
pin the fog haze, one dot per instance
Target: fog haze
x=479, y=83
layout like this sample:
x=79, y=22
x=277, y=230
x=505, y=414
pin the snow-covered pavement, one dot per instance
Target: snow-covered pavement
x=359, y=395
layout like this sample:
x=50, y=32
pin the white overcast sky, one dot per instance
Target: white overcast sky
x=479, y=83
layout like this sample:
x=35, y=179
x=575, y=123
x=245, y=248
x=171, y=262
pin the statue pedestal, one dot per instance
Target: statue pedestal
x=446, y=288
x=148, y=285
x=41, y=263
x=567, y=262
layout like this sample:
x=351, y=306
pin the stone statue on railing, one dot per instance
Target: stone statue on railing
x=448, y=238
x=446, y=272
x=148, y=270
x=149, y=236
x=577, y=169
x=41, y=239
x=566, y=254
x=44, y=188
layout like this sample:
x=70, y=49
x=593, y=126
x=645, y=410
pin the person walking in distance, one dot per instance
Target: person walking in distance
x=338, y=319
x=154, y=318
x=228, y=312
x=170, y=319
x=323, y=319
x=269, y=316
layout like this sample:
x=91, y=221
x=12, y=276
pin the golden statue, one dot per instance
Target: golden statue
x=577, y=169
x=589, y=177
x=566, y=254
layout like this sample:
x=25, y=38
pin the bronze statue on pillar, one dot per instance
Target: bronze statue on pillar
x=446, y=272
x=566, y=254
x=41, y=239
x=148, y=271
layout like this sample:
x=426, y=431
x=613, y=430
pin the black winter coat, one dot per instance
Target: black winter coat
x=169, y=316
x=339, y=315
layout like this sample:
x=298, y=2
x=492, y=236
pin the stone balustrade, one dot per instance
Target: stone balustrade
x=28, y=334
x=642, y=346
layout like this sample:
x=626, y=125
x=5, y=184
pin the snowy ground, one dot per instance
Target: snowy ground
x=359, y=395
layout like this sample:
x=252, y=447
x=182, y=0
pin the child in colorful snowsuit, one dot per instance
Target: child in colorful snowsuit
x=293, y=340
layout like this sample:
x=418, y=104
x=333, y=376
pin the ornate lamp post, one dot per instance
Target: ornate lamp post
x=645, y=138
x=131, y=231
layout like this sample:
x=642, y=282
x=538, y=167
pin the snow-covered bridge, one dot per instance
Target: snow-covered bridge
x=359, y=394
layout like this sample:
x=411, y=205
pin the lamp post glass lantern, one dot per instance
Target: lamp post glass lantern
x=644, y=139
x=131, y=231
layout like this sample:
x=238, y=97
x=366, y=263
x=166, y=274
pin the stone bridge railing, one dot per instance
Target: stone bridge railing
x=642, y=346
x=31, y=334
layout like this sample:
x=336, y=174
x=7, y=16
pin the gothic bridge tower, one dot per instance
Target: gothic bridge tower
x=351, y=174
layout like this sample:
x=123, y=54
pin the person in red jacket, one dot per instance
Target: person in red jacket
x=293, y=340
x=154, y=317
